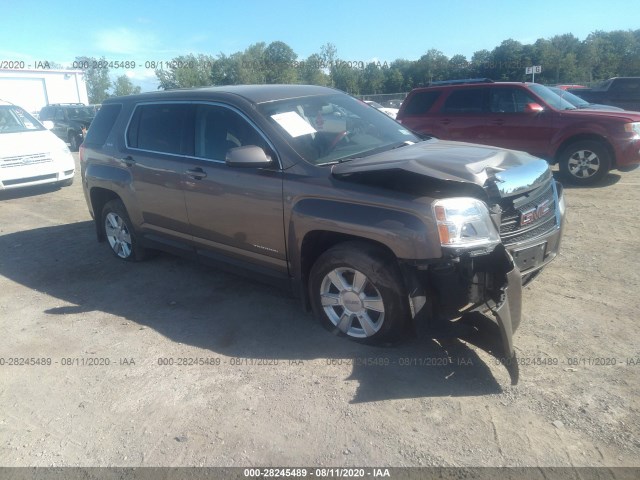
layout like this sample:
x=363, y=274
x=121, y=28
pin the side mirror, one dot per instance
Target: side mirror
x=533, y=108
x=48, y=124
x=247, y=156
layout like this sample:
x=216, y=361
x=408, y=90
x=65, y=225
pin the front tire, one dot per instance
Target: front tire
x=74, y=142
x=356, y=291
x=119, y=232
x=585, y=162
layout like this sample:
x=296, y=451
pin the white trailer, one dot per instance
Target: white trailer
x=33, y=89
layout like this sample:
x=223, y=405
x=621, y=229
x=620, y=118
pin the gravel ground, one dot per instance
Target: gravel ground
x=171, y=363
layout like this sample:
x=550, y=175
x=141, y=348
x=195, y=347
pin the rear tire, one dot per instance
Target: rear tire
x=356, y=291
x=585, y=162
x=120, y=234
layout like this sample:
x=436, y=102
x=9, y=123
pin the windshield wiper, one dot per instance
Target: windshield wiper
x=335, y=162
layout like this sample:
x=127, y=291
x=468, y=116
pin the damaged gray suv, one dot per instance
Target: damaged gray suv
x=374, y=228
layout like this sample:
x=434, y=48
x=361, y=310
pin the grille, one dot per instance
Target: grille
x=512, y=208
x=22, y=160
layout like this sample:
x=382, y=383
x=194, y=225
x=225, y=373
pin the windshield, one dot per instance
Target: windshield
x=550, y=97
x=570, y=97
x=331, y=128
x=14, y=120
x=76, y=113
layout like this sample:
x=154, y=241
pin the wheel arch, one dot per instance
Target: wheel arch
x=592, y=137
x=99, y=198
x=316, y=242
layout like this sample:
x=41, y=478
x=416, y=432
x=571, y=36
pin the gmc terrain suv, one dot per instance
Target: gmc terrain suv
x=69, y=121
x=527, y=117
x=371, y=226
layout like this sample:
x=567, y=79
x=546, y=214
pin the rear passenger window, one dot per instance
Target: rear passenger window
x=467, y=100
x=421, y=102
x=102, y=124
x=163, y=128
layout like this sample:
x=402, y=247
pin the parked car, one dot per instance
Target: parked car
x=373, y=228
x=527, y=116
x=392, y=112
x=69, y=121
x=623, y=92
x=570, y=86
x=29, y=153
x=581, y=103
x=393, y=104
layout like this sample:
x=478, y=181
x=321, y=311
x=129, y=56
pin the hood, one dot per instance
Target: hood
x=611, y=114
x=29, y=143
x=512, y=172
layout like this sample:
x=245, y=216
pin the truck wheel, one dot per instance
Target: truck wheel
x=357, y=291
x=74, y=142
x=585, y=162
x=119, y=232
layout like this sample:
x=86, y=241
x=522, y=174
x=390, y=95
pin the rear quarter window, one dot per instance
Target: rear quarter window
x=163, y=128
x=468, y=100
x=421, y=102
x=102, y=124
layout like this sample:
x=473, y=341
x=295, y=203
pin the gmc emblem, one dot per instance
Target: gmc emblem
x=535, y=213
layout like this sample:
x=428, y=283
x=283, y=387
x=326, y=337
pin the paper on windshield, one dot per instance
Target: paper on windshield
x=293, y=123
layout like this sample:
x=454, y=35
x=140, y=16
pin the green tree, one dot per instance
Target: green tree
x=96, y=79
x=507, y=58
x=279, y=61
x=458, y=67
x=186, y=71
x=482, y=65
x=311, y=72
x=372, y=78
x=345, y=78
x=393, y=80
x=124, y=86
x=432, y=66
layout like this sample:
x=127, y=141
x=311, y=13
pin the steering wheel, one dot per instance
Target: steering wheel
x=337, y=139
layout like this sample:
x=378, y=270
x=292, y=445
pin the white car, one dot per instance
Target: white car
x=29, y=153
x=392, y=112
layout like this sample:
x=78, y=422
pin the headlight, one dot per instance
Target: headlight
x=632, y=128
x=464, y=224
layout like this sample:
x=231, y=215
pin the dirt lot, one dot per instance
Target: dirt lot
x=262, y=384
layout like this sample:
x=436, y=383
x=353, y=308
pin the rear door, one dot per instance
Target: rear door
x=159, y=139
x=236, y=212
x=462, y=116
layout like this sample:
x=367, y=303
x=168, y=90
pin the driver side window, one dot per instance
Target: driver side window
x=219, y=129
x=509, y=100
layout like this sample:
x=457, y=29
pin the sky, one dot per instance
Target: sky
x=362, y=31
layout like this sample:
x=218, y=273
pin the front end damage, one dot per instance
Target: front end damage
x=499, y=216
x=477, y=295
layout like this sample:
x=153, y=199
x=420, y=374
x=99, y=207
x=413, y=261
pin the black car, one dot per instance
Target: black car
x=70, y=121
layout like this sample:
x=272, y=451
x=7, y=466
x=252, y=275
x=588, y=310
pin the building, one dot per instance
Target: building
x=33, y=89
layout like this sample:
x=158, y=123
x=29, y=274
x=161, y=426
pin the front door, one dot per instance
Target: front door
x=234, y=211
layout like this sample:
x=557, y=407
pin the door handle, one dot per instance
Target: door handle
x=196, y=173
x=128, y=161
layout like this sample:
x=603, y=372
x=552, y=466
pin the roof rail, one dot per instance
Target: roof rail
x=461, y=81
x=62, y=104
